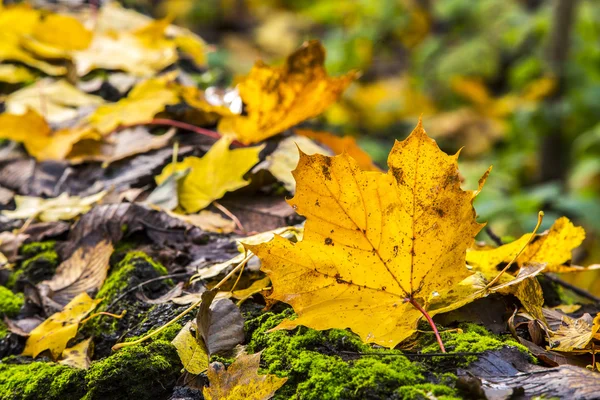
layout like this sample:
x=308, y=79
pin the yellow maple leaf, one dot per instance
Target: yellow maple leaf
x=62, y=31
x=15, y=74
x=54, y=333
x=552, y=248
x=575, y=334
x=278, y=98
x=241, y=380
x=220, y=171
x=191, y=349
x=78, y=356
x=145, y=100
x=376, y=245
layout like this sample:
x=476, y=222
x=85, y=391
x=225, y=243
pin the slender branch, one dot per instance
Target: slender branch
x=430, y=320
x=539, y=222
x=495, y=238
x=231, y=215
x=577, y=290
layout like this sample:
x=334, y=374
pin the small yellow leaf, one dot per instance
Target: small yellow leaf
x=191, y=349
x=552, y=247
x=10, y=73
x=62, y=31
x=256, y=287
x=575, y=334
x=220, y=171
x=54, y=333
x=145, y=100
x=373, y=241
x=278, y=98
x=21, y=127
x=241, y=381
x=78, y=356
x=63, y=207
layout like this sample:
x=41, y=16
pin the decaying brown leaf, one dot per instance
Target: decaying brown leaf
x=220, y=323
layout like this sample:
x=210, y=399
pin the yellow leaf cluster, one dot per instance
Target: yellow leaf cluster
x=63, y=207
x=375, y=244
x=278, y=98
x=54, y=333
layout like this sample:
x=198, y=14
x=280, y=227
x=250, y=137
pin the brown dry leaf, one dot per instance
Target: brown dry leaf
x=220, y=323
x=340, y=145
x=145, y=100
x=241, y=380
x=54, y=333
x=373, y=242
x=552, y=247
x=10, y=243
x=278, y=98
x=119, y=145
x=575, y=334
x=175, y=292
x=84, y=271
x=78, y=356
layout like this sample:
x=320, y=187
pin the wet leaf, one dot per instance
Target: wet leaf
x=241, y=381
x=191, y=349
x=575, y=334
x=373, y=240
x=220, y=171
x=78, y=356
x=84, y=271
x=278, y=98
x=63, y=207
x=54, y=333
x=220, y=323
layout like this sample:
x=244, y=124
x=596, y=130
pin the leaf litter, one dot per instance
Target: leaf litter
x=177, y=170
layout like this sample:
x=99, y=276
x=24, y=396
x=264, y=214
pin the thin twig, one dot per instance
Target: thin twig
x=231, y=215
x=495, y=238
x=577, y=290
x=133, y=289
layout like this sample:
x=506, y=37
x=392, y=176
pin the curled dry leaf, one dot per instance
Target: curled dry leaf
x=575, y=334
x=220, y=171
x=63, y=207
x=78, y=356
x=220, y=323
x=171, y=294
x=241, y=380
x=278, y=98
x=207, y=221
x=54, y=333
x=552, y=247
x=85, y=271
x=373, y=243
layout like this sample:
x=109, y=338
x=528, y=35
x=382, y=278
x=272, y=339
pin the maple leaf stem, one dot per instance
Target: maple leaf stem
x=231, y=215
x=416, y=305
x=539, y=222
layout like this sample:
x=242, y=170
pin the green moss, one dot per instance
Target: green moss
x=40, y=380
x=3, y=330
x=13, y=277
x=166, y=335
x=121, y=274
x=10, y=303
x=317, y=365
x=32, y=249
x=471, y=338
x=136, y=372
x=37, y=268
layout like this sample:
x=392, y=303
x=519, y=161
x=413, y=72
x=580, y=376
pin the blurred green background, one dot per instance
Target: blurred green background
x=514, y=82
